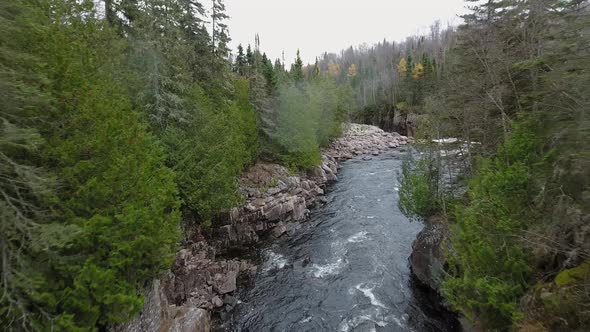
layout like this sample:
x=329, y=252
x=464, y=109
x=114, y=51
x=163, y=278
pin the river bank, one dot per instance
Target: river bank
x=346, y=268
x=204, y=275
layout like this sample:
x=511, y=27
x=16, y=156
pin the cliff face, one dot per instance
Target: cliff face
x=427, y=259
x=427, y=263
x=202, y=281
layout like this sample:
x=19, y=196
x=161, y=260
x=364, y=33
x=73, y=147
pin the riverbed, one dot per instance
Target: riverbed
x=346, y=268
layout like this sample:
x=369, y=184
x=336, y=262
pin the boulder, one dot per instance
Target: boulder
x=216, y=301
x=299, y=209
x=279, y=229
x=190, y=320
x=331, y=177
x=305, y=185
x=224, y=283
x=272, y=213
x=230, y=300
x=319, y=174
x=288, y=206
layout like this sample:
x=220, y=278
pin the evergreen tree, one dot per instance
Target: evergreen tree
x=250, y=56
x=269, y=74
x=196, y=50
x=297, y=69
x=101, y=240
x=25, y=223
x=315, y=72
x=219, y=35
x=241, y=61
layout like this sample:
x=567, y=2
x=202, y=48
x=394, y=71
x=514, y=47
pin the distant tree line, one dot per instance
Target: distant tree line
x=390, y=80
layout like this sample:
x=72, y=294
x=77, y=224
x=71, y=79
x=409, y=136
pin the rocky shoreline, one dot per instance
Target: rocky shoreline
x=202, y=278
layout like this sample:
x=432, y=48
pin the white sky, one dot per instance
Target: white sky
x=317, y=26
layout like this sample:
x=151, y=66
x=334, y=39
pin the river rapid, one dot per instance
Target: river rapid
x=346, y=268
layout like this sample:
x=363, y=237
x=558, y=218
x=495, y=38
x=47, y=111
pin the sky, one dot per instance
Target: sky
x=318, y=26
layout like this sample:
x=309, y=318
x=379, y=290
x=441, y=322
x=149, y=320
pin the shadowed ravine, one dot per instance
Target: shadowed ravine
x=346, y=268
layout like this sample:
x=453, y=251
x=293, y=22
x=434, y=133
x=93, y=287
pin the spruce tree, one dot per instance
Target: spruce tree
x=296, y=72
x=241, y=61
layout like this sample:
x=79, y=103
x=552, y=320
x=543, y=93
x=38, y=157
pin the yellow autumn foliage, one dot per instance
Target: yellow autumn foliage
x=352, y=70
x=418, y=71
x=402, y=67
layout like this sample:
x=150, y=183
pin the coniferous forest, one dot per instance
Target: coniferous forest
x=122, y=122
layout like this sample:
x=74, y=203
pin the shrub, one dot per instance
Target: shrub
x=420, y=194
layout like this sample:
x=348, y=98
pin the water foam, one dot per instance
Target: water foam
x=358, y=237
x=368, y=292
x=322, y=271
x=354, y=322
x=274, y=261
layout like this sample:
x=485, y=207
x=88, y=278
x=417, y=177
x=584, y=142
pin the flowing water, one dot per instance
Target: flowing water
x=346, y=268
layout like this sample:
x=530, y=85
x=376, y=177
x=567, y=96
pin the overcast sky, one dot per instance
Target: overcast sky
x=316, y=26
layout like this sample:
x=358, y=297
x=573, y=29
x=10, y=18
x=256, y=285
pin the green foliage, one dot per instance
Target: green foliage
x=297, y=127
x=420, y=193
x=24, y=185
x=573, y=275
x=207, y=164
x=308, y=115
x=525, y=101
x=490, y=268
x=297, y=69
x=245, y=116
x=114, y=185
x=332, y=103
x=114, y=216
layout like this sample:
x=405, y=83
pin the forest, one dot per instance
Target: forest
x=119, y=120
x=122, y=122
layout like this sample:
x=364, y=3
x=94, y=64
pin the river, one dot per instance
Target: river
x=346, y=268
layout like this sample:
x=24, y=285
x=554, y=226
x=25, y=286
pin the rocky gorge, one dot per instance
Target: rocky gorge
x=205, y=273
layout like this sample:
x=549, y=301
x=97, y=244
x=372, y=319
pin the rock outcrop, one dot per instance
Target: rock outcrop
x=159, y=315
x=275, y=200
x=427, y=259
x=274, y=196
x=200, y=280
